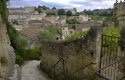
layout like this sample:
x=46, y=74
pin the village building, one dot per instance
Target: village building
x=83, y=18
x=40, y=23
x=31, y=35
x=51, y=18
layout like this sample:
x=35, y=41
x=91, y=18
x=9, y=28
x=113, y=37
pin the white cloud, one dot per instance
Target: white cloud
x=79, y=4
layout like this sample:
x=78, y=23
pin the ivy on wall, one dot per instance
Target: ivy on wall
x=3, y=9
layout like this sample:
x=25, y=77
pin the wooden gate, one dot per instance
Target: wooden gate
x=109, y=58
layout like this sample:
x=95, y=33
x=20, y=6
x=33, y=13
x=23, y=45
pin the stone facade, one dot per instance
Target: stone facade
x=121, y=66
x=80, y=18
x=23, y=15
x=52, y=18
x=119, y=11
x=77, y=53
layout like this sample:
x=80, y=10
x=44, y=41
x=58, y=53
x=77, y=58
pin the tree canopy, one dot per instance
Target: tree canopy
x=43, y=7
x=61, y=12
x=75, y=9
x=38, y=10
x=53, y=8
x=69, y=13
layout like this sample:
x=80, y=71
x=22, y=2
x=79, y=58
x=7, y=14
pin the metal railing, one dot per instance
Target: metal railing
x=100, y=74
x=77, y=71
x=54, y=67
x=65, y=75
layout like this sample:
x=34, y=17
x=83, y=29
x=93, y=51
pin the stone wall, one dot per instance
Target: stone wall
x=7, y=55
x=77, y=53
x=121, y=66
x=120, y=12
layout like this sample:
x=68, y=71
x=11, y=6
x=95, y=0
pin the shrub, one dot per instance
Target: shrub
x=32, y=54
x=19, y=60
x=76, y=35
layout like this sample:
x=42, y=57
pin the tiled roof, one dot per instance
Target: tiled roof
x=29, y=32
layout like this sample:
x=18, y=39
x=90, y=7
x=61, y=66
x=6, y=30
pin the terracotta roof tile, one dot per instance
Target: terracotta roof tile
x=29, y=32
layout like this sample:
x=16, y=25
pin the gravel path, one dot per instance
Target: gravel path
x=29, y=71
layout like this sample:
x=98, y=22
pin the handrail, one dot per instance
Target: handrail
x=78, y=70
x=97, y=71
x=77, y=57
x=64, y=60
x=57, y=62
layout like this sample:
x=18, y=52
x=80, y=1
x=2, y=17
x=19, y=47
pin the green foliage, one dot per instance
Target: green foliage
x=73, y=21
x=49, y=34
x=111, y=43
x=15, y=22
x=76, y=35
x=19, y=60
x=28, y=54
x=115, y=31
x=75, y=9
x=17, y=42
x=50, y=13
x=32, y=54
x=38, y=10
x=3, y=9
x=99, y=12
x=19, y=45
x=69, y=13
x=53, y=8
x=43, y=7
x=74, y=27
x=61, y=12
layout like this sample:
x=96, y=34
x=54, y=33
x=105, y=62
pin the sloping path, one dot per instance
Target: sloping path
x=30, y=71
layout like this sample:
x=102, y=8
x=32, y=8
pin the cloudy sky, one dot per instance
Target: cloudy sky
x=68, y=4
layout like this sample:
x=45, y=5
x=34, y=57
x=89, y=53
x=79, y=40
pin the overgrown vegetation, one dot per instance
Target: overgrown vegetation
x=3, y=9
x=50, y=13
x=51, y=33
x=72, y=21
x=111, y=43
x=15, y=22
x=19, y=45
x=76, y=35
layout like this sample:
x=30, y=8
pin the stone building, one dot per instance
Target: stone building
x=31, y=35
x=119, y=12
x=51, y=18
x=36, y=16
x=16, y=10
x=29, y=9
x=83, y=18
x=73, y=11
x=40, y=23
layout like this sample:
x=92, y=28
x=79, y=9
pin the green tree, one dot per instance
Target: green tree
x=69, y=13
x=53, y=8
x=38, y=10
x=50, y=33
x=15, y=22
x=44, y=7
x=61, y=12
x=75, y=9
x=74, y=27
x=73, y=21
x=51, y=13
